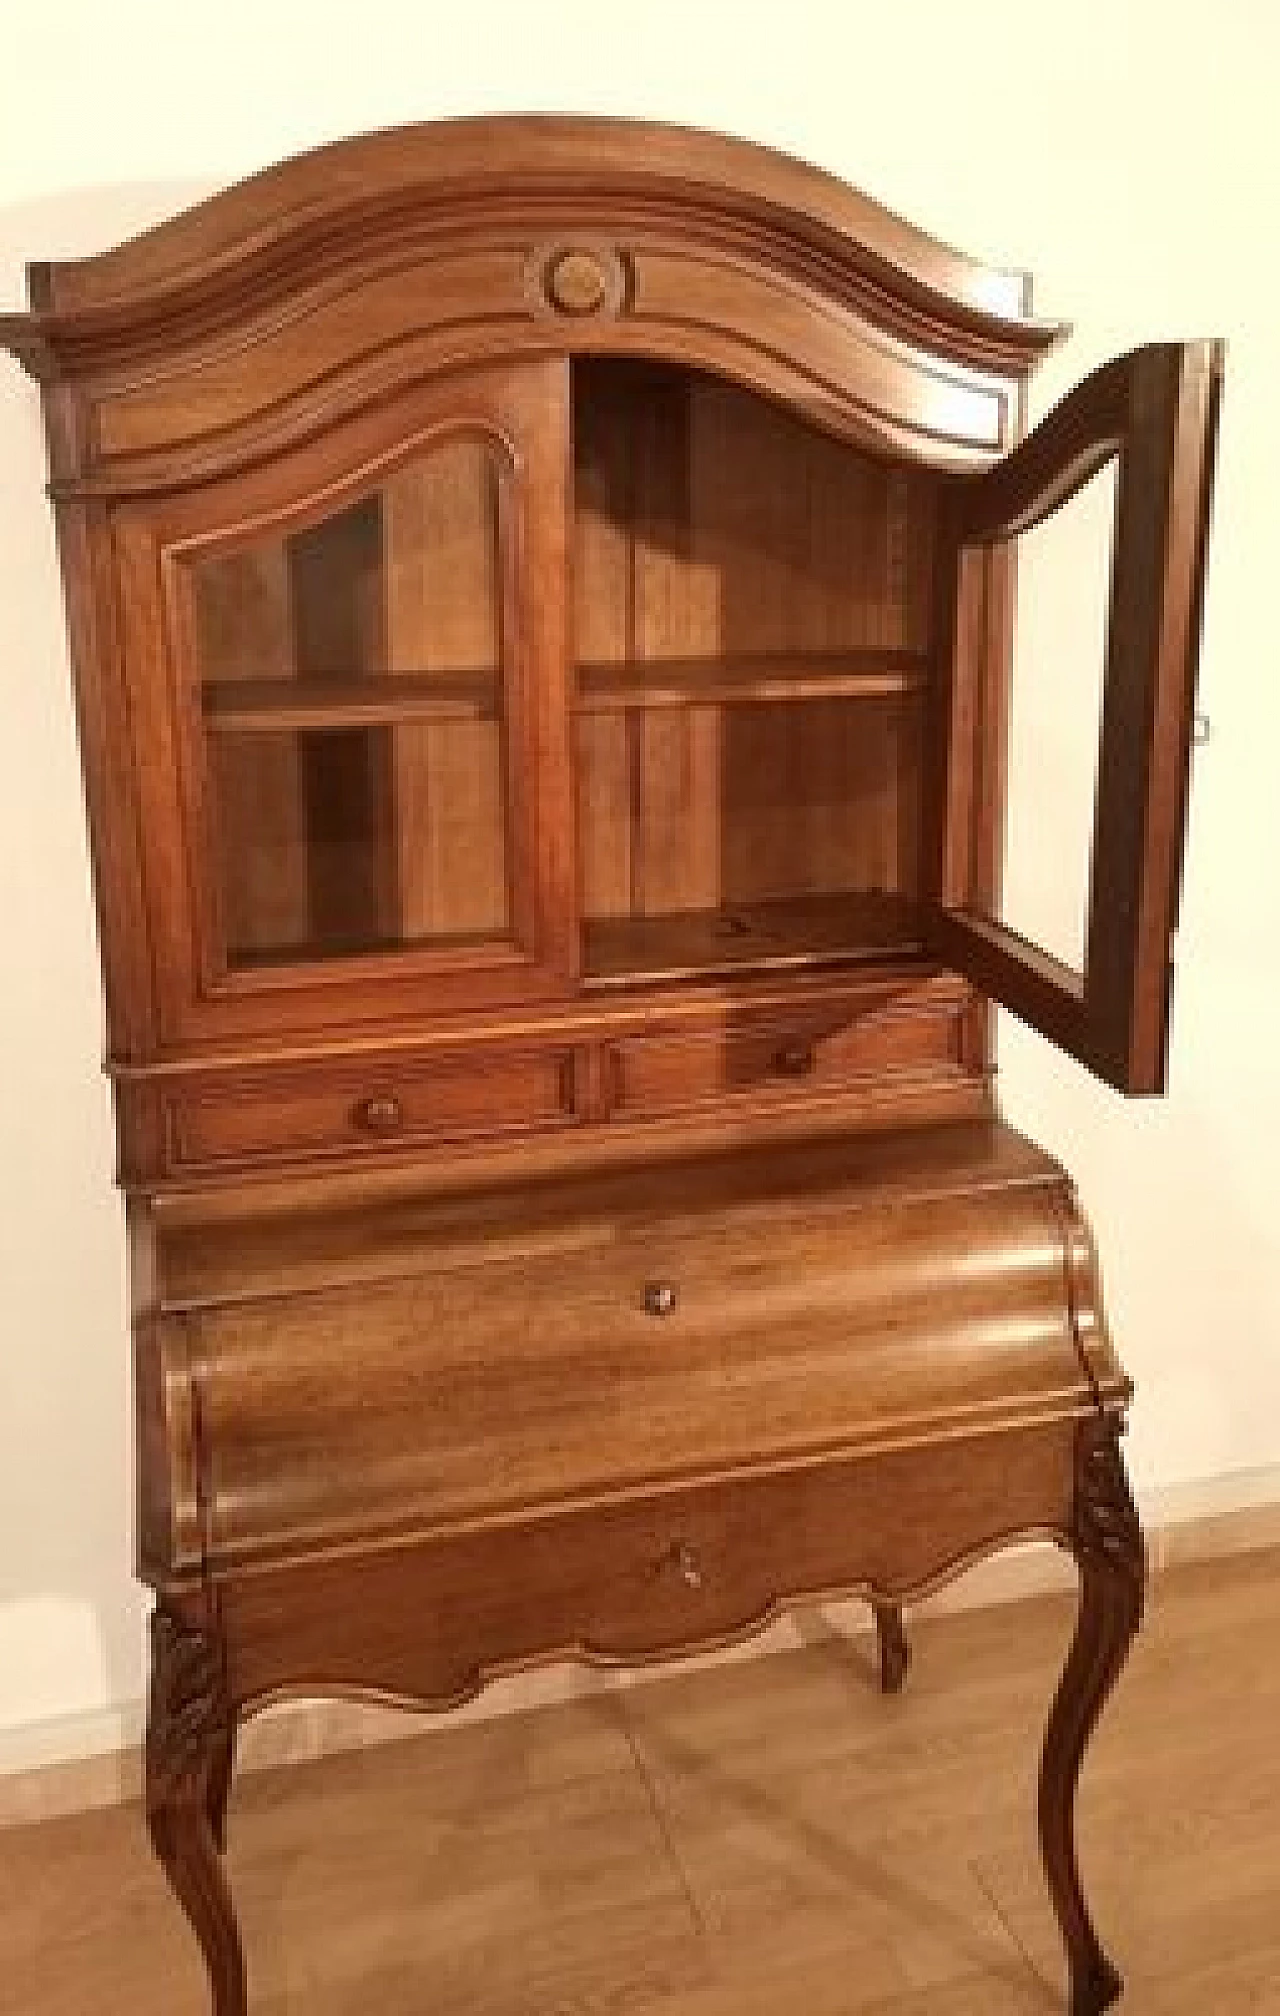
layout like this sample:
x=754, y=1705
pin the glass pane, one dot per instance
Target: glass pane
x=1055, y=720
x=352, y=695
x=350, y=840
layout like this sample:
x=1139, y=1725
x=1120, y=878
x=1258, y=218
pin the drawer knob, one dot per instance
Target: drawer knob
x=659, y=1298
x=687, y=1564
x=793, y=1060
x=380, y=1113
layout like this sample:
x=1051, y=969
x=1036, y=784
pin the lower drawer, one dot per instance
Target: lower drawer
x=297, y=1113
x=432, y=1620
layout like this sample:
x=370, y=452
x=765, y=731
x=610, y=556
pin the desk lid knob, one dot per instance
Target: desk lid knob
x=380, y=1113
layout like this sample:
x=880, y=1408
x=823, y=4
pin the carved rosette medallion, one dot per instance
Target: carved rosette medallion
x=578, y=282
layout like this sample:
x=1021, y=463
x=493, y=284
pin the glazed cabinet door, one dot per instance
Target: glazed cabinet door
x=1129, y=455
x=355, y=656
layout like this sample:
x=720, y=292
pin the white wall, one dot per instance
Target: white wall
x=1127, y=153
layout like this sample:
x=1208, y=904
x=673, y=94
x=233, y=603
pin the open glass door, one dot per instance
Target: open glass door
x=1134, y=442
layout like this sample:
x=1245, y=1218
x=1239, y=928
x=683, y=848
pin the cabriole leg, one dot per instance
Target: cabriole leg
x=895, y=1653
x=1106, y=1540
x=190, y=1736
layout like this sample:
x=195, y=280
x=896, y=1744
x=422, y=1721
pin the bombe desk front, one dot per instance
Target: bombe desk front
x=541, y=596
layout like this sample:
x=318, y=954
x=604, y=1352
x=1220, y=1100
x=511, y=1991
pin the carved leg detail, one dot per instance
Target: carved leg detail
x=220, y=1787
x=895, y=1653
x=190, y=1737
x=1107, y=1542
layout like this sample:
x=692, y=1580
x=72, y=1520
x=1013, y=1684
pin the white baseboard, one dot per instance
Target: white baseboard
x=78, y=1762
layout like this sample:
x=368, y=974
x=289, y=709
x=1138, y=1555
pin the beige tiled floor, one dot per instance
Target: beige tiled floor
x=757, y=1840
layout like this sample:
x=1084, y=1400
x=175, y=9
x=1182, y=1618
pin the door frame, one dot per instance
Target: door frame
x=1155, y=412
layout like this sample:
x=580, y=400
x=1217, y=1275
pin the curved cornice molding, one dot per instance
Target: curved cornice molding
x=402, y=192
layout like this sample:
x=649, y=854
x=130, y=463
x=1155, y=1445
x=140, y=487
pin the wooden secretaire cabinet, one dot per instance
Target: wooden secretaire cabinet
x=542, y=600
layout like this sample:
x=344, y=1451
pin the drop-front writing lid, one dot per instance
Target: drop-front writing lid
x=636, y=1331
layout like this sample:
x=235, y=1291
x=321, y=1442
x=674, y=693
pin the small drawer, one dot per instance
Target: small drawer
x=767, y=1056
x=635, y=1580
x=318, y=1113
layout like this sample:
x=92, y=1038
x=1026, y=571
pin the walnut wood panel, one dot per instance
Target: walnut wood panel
x=816, y=1047
x=640, y=1352
x=418, y=322
x=212, y=1121
x=393, y=234
x=630, y=1581
x=244, y=619
x=199, y=421
x=335, y=570
x=192, y=1248
x=1156, y=412
x=641, y=1251
x=522, y=415
x=800, y=934
x=283, y=1116
x=284, y=1253
x=267, y=706
x=435, y=245
x=117, y=851
x=362, y=187
x=715, y=530
x=444, y=597
x=749, y=679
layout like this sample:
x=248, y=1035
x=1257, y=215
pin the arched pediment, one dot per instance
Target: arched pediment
x=369, y=264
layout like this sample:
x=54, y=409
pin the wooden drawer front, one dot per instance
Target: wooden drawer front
x=664, y=1574
x=485, y=1096
x=764, y=1057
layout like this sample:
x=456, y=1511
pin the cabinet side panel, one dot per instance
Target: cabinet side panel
x=94, y=628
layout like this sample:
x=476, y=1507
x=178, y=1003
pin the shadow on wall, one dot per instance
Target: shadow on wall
x=71, y=1616
x=1188, y=1244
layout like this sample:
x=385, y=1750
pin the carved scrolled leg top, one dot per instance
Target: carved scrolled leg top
x=895, y=1653
x=189, y=1751
x=1106, y=1540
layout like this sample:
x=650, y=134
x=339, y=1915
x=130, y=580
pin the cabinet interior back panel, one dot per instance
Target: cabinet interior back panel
x=721, y=540
x=443, y=586
x=339, y=836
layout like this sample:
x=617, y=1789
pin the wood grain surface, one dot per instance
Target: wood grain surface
x=541, y=604
x=765, y=1836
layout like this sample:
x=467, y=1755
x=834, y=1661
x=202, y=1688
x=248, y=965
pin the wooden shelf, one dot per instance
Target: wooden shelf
x=793, y=931
x=748, y=680
x=306, y=951
x=266, y=706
